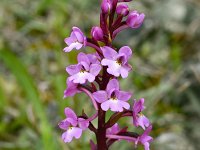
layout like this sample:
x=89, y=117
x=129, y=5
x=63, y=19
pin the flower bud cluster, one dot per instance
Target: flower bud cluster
x=96, y=74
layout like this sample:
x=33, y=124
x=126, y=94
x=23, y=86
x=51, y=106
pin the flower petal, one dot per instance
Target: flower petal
x=100, y=96
x=112, y=84
x=106, y=62
x=94, y=58
x=72, y=121
x=143, y=121
x=124, y=72
x=79, y=34
x=115, y=106
x=75, y=45
x=105, y=105
x=95, y=69
x=109, y=53
x=73, y=69
x=123, y=96
x=138, y=106
x=90, y=77
x=70, y=133
x=70, y=113
x=113, y=71
x=124, y=104
x=146, y=146
x=82, y=77
x=113, y=130
x=76, y=132
x=71, y=89
x=146, y=133
x=64, y=124
x=83, y=124
x=69, y=40
x=82, y=57
x=66, y=137
x=126, y=50
x=113, y=67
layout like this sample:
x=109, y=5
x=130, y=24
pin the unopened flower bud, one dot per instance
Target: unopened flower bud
x=122, y=9
x=135, y=19
x=106, y=6
x=97, y=33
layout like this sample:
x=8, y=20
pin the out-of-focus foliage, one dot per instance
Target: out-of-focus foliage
x=166, y=71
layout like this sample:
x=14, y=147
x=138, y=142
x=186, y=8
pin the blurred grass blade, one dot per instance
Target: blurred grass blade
x=194, y=101
x=27, y=84
x=2, y=99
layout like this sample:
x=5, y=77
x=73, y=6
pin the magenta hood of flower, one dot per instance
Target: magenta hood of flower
x=97, y=33
x=87, y=69
x=76, y=40
x=117, y=62
x=135, y=19
x=122, y=9
x=138, y=118
x=113, y=98
x=72, y=125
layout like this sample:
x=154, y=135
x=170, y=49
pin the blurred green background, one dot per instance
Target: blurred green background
x=166, y=71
